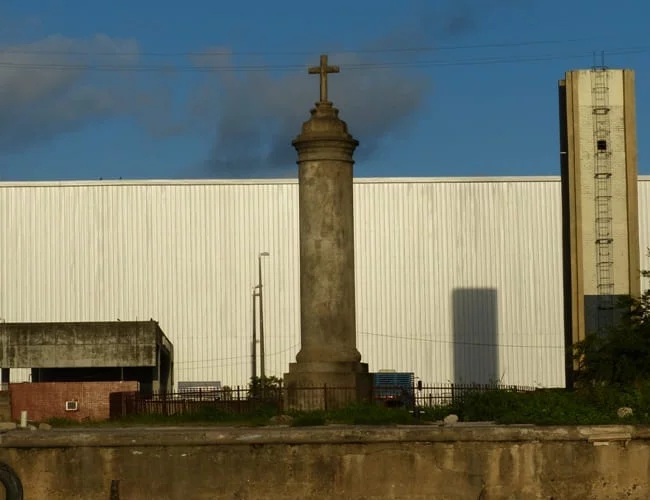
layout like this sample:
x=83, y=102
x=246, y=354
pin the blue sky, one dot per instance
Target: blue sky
x=477, y=98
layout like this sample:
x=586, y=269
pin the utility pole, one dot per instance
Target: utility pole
x=262, y=353
x=256, y=293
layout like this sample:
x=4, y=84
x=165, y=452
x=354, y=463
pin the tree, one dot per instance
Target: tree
x=267, y=387
x=621, y=355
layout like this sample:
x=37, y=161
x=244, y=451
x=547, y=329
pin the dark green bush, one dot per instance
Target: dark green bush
x=589, y=405
x=372, y=415
x=308, y=419
x=618, y=356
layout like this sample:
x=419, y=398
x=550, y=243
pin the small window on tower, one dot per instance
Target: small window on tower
x=602, y=145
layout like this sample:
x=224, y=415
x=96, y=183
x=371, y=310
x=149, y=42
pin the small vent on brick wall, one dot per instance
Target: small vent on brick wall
x=71, y=406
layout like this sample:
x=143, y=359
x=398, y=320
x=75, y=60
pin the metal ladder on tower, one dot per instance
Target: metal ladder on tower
x=603, y=196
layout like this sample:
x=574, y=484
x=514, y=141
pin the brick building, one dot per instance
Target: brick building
x=70, y=400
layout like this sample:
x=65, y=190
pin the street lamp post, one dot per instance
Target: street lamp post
x=262, y=360
x=256, y=293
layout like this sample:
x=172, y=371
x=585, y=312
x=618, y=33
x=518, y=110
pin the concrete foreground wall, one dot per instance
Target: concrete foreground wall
x=461, y=462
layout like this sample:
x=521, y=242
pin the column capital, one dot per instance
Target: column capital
x=325, y=136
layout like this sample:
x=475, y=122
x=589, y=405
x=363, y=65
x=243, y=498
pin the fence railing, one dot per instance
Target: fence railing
x=446, y=394
x=243, y=401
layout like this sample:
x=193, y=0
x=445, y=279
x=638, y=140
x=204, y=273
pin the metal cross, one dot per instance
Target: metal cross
x=323, y=70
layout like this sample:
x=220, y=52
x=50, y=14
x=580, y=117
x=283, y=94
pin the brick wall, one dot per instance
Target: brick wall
x=47, y=399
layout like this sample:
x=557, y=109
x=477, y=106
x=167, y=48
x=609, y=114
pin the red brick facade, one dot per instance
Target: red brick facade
x=48, y=399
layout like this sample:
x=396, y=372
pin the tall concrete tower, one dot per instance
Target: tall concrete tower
x=599, y=196
x=328, y=356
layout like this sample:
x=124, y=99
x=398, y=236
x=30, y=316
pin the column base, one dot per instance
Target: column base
x=326, y=386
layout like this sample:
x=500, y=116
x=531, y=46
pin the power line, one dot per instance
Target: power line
x=167, y=68
x=387, y=50
x=458, y=342
x=246, y=357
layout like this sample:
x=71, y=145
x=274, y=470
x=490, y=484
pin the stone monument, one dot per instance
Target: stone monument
x=328, y=371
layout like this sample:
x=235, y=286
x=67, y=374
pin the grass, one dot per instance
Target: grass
x=309, y=419
x=588, y=406
x=355, y=414
x=205, y=415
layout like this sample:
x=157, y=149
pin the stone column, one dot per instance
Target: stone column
x=328, y=362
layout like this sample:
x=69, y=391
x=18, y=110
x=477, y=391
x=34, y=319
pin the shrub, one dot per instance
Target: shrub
x=619, y=355
x=309, y=419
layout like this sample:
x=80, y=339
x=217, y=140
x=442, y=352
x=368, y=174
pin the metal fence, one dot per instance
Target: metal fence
x=243, y=401
x=235, y=401
x=447, y=394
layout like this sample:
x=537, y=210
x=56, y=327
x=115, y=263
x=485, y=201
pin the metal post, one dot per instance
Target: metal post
x=262, y=364
x=254, y=354
x=262, y=353
x=115, y=489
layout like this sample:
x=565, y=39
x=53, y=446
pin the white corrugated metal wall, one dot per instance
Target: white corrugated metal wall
x=456, y=279
x=448, y=271
x=644, y=226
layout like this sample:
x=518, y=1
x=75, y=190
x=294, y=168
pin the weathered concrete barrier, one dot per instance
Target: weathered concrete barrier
x=427, y=462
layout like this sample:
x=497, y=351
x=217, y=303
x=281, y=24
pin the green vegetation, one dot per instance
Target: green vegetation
x=309, y=418
x=266, y=387
x=206, y=414
x=355, y=414
x=209, y=415
x=592, y=406
x=620, y=356
x=64, y=422
x=587, y=406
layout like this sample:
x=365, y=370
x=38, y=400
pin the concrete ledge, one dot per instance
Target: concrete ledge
x=216, y=436
x=471, y=461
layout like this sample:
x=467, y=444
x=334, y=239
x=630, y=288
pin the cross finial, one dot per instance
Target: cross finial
x=323, y=70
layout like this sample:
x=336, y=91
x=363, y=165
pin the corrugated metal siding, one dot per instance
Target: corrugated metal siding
x=185, y=255
x=455, y=280
x=644, y=227
x=461, y=281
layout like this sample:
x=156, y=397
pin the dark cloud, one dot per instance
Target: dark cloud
x=46, y=88
x=431, y=23
x=462, y=17
x=258, y=113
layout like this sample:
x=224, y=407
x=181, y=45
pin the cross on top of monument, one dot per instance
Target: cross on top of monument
x=323, y=70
